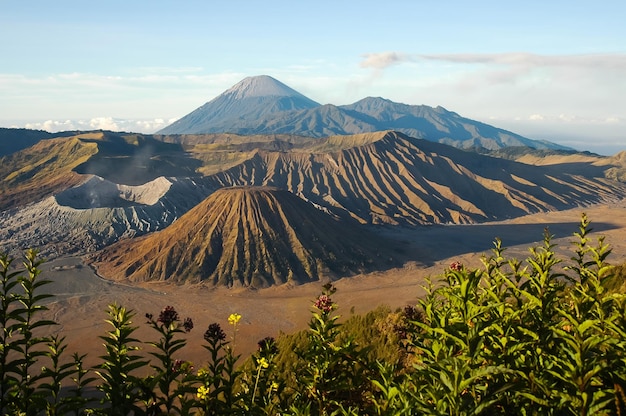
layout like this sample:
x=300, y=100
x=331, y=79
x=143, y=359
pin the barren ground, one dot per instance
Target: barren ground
x=82, y=297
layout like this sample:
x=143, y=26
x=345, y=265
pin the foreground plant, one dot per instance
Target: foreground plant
x=259, y=385
x=120, y=385
x=536, y=337
x=73, y=401
x=517, y=338
x=10, y=320
x=169, y=385
x=22, y=331
x=334, y=375
x=216, y=393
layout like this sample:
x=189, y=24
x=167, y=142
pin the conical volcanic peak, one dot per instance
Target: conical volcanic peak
x=251, y=237
x=242, y=105
x=262, y=86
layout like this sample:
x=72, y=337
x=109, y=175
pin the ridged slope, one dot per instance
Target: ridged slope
x=245, y=102
x=41, y=170
x=391, y=178
x=13, y=140
x=252, y=237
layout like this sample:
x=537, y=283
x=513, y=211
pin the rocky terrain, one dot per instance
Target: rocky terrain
x=249, y=237
x=283, y=189
x=95, y=214
x=79, y=194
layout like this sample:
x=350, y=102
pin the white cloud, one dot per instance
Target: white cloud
x=51, y=125
x=470, y=71
x=383, y=60
x=608, y=61
x=103, y=123
x=150, y=126
x=146, y=126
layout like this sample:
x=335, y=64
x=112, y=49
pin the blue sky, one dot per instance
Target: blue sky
x=553, y=70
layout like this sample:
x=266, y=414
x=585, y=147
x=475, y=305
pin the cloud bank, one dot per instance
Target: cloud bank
x=384, y=60
x=146, y=126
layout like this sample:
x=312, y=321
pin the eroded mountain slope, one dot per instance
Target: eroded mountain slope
x=388, y=177
x=42, y=170
x=253, y=237
x=375, y=178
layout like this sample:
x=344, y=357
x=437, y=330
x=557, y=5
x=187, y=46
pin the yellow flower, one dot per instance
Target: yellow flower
x=202, y=372
x=274, y=386
x=263, y=363
x=234, y=319
x=203, y=392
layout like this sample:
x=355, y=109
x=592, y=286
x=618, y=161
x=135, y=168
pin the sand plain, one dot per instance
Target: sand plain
x=81, y=297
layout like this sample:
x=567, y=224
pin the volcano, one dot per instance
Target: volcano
x=246, y=102
x=264, y=105
x=249, y=237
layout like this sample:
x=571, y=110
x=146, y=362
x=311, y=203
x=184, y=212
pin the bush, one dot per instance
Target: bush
x=543, y=337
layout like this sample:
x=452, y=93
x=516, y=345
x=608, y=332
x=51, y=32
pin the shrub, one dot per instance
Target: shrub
x=520, y=338
x=542, y=336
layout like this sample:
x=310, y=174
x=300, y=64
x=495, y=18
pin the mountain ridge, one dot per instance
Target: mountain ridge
x=247, y=236
x=99, y=188
x=244, y=109
x=391, y=178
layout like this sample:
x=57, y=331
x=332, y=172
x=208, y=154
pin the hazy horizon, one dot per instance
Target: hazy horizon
x=551, y=71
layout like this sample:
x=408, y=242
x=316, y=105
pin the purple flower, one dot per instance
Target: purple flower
x=324, y=303
x=188, y=324
x=457, y=266
x=182, y=366
x=268, y=344
x=177, y=364
x=168, y=316
x=214, y=333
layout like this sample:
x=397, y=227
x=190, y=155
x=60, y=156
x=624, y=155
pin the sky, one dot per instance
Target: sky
x=550, y=70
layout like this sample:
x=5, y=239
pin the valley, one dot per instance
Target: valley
x=254, y=200
x=82, y=297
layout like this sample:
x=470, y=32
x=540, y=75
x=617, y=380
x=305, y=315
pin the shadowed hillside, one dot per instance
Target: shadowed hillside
x=253, y=237
x=390, y=178
x=13, y=140
x=134, y=159
x=51, y=166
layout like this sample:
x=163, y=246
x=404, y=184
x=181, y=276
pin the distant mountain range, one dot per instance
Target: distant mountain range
x=293, y=203
x=264, y=105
